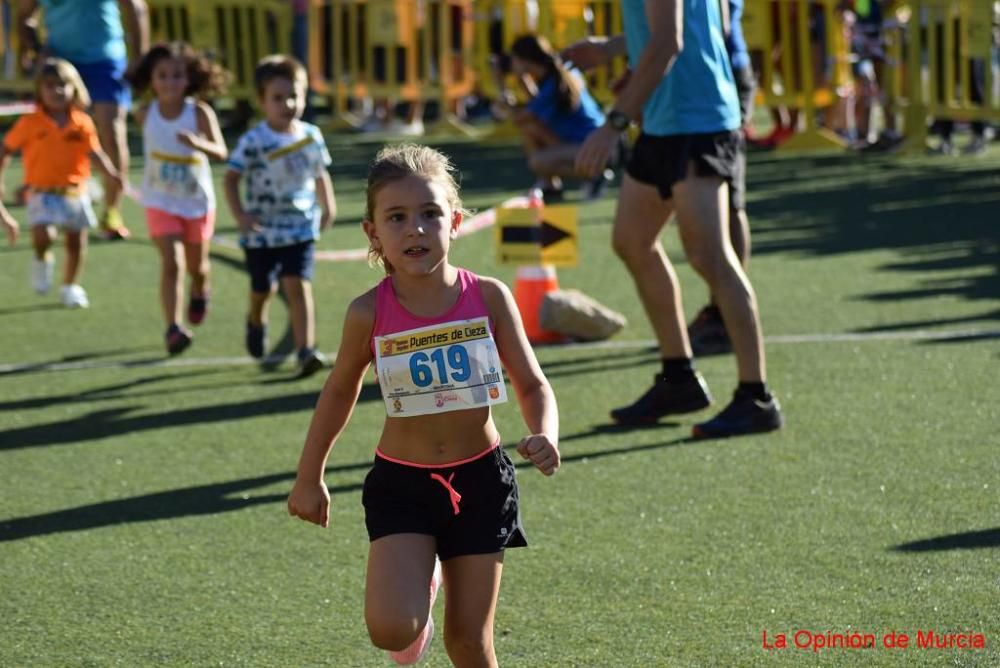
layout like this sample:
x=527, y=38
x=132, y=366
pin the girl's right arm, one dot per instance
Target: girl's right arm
x=310, y=499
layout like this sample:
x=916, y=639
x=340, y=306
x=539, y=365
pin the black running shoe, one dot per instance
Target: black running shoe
x=708, y=333
x=743, y=415
x=311, y=361
x=256, y=339
x=178, y=339
x=197, y=309
x=665, y=398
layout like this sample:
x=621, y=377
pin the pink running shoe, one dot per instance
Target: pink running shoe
x=417, y=648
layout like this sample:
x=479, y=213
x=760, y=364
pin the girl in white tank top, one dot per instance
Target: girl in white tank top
x=177, y=178
x=180, y=134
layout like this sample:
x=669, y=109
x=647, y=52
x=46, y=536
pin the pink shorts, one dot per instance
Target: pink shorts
x=190, y=230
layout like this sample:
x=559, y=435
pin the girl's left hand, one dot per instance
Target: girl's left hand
x=188, y=138
x=542, y=452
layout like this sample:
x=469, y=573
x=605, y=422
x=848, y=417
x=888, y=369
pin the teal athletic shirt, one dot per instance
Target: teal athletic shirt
x=698, y=94
x=85, y=31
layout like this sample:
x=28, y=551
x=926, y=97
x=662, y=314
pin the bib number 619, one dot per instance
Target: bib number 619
x=452, y=364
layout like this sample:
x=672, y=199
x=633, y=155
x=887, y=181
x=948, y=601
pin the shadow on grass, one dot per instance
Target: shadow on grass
x=214, y=499
x=113, y=422
x=29, y=308
x=968, y=540
x=935, y=216
x=186, y=502
x=116, y=391
x=35, y=367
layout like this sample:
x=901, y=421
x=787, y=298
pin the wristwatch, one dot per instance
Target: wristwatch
x=618, y=120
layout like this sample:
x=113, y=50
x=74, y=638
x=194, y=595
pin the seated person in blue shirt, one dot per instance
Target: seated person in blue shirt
x=556, y=119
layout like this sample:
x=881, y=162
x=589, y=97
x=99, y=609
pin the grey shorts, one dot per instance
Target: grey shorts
x=66, y=209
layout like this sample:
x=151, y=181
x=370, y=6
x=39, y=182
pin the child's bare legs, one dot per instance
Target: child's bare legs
x=537, y=139
x=171, y=277
x=301, y=311
x=472, y=586
x=259, y=302
x=397, y=601
x=198, y=267
x=42, y=237
x=76, y=249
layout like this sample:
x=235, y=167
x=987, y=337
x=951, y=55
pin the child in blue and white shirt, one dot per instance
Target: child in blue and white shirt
x=288, y=198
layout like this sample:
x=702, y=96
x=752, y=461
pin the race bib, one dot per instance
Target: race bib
x=173, y=175
x=439, y=368
x=294, y=165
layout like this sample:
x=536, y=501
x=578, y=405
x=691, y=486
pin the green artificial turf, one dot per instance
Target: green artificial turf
x=142, y=517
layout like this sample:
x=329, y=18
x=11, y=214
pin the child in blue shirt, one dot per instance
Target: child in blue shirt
x=557, y=119
x=288, y=198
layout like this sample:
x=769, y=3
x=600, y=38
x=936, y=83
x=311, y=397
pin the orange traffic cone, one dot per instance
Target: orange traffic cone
x=533, y=283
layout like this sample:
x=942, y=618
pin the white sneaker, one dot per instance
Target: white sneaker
x=41, y=274
x=74, y=296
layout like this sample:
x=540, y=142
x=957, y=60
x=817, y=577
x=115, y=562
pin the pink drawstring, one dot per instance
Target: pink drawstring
x=453, y=494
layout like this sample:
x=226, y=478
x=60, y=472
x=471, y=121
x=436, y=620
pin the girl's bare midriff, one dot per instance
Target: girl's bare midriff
x=440, y=438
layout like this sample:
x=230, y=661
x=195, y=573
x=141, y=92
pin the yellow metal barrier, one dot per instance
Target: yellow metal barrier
x=392, y=49
x=803, y=59
x=237, y=33
x=949, y=46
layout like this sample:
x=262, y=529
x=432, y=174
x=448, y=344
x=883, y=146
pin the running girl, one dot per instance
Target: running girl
x=58, y=141
x=180, y=133
x=441, y=486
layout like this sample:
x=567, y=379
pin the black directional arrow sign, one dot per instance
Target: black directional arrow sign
x=544, y=234
x=523, y=239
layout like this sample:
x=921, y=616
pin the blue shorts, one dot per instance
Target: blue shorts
x=265, y=265
x=105, y=83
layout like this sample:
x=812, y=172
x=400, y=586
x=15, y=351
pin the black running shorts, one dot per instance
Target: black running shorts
x=470, y=507
x=662, y=161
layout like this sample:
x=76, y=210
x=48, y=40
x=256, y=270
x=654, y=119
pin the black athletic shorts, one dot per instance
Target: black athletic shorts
x=470, y=507
x=662, y=161
x=265, y=265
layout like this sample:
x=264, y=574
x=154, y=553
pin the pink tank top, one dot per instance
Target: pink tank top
x=392, y=317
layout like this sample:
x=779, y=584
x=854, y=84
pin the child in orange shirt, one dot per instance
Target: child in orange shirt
x=57, y=142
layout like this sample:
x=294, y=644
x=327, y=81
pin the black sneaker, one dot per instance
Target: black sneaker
x=743, y=415
x=708, y=333
x=665, y=398
x=311, y=361
x=178, y=339
x=197, y=309
x=256, y=339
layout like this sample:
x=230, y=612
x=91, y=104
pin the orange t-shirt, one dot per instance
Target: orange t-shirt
x=54, y=157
